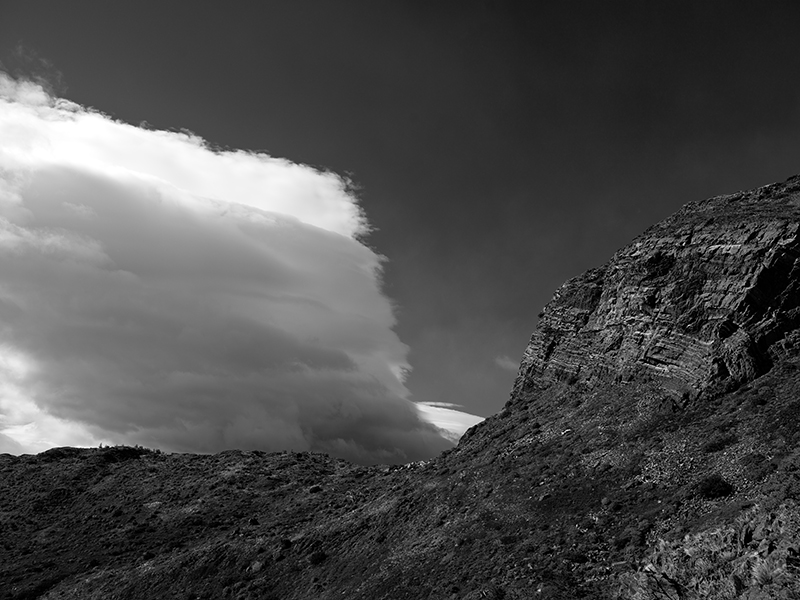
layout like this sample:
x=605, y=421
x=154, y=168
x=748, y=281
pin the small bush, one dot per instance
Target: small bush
x=756, y=466
x=719, y=443
x=751, y=558
x=767, y=571
x=114, y=454
x=714, y=486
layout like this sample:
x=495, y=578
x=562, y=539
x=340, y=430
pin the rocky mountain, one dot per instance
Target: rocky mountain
x=650, y=449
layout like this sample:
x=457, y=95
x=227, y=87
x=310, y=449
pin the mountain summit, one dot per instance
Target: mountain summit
x=650, y=449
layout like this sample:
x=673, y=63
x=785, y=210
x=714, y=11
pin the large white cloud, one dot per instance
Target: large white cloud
x=155, y=291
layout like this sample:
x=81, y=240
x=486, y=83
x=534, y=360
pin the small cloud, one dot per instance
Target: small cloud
x=9, y=445
x=506, y=362
x=80, y=209
x=445, y=416
x=26, y=63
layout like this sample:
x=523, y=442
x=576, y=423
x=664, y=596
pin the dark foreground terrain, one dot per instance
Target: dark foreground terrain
x=650, y=449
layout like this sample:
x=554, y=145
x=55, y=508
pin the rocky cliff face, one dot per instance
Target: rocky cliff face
x=650, y=449
x=704, y=300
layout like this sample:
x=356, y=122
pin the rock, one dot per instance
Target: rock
x=706, y=297
x=255, y=567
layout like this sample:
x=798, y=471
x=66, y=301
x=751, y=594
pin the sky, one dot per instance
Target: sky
x=436, y=170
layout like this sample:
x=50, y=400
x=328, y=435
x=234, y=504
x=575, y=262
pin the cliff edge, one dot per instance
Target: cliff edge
x=704, y=300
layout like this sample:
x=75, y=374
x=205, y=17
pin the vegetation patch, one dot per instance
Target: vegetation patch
x=719, y=442
x=713, y=487
x=755, y=558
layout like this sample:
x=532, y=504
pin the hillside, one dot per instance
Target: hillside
x=650, y=449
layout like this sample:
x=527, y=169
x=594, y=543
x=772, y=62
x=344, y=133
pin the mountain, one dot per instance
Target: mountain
x=650, y=449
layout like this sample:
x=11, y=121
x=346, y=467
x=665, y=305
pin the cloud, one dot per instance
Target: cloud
x=452, y=423
x=155, y=291
x=25, y=63
x=507, y=363
x=9, y=445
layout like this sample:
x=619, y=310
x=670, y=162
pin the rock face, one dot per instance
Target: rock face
x=703, y=300
x=650, y=450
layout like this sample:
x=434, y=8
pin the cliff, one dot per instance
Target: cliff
x=705, y=299
x=649, y=450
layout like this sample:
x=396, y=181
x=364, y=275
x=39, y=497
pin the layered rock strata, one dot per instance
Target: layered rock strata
x=703, y=300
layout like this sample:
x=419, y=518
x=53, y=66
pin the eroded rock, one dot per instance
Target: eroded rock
x=705, y=299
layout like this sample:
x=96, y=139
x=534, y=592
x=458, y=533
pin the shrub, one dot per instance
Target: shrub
x=752, y=558
x=767, y=571
x=719, y=443
x=714, y=486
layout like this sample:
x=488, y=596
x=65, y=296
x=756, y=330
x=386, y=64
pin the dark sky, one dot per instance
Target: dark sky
x=498, y=150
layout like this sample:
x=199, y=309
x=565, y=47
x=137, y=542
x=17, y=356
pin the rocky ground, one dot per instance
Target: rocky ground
x=650, y=449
